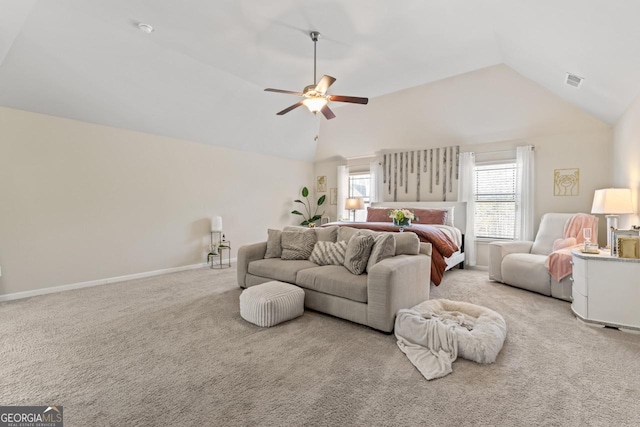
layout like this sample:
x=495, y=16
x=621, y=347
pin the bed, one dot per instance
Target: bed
x=447, y=239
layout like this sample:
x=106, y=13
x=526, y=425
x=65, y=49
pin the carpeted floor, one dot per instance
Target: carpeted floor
x=173, y=350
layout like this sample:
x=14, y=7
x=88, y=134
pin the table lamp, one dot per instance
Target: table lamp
x=612, y=202
x=353, y=204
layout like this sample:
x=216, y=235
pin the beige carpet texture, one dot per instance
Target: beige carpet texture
x=173, y=350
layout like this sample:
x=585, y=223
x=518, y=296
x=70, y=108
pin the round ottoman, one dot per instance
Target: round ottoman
x=271, y=303
x=480, y=331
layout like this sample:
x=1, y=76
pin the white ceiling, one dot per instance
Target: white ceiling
x=200, y=75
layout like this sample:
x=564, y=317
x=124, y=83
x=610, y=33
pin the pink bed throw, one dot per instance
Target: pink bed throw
x=559, y=261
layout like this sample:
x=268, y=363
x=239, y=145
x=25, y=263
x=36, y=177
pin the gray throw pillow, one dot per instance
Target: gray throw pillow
x=274, y=245
x=298, y=244
x=358, y=251
x=329, y=253
x=384, y=247
x=407, y=243
x=327, y=234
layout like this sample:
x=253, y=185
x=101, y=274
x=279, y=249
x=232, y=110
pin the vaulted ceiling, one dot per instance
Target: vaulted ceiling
x=200, y=75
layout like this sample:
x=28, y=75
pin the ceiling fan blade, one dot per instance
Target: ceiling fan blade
x=324, y=84
x=351, y=99
x=328, y=114
x=283, y=91
x=286, y=110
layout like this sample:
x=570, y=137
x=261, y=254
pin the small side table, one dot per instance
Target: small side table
x=221, y=249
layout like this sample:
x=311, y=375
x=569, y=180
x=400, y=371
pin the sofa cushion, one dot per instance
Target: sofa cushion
x=324, y=234
x=384, y=246
x=327, y=234
x=527, y=271
x=407, y=243
x=346, y=233
x=329, y=253
x=298, y=245
x=358, y=251
x=279, y=269
x=551, y=228
x=334, y=280
x=274, y=244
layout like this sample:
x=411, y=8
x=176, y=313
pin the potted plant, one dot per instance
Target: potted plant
x=309, y=219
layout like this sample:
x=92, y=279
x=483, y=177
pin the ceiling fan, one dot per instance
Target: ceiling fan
x=315, y=95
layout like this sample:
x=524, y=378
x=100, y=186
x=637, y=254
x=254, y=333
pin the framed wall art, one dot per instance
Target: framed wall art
x=321, y=184
x=566, y=182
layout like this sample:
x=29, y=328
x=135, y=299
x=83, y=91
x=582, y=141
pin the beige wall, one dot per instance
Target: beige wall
x=81, y=202
x=488, y=110
x=626, y=158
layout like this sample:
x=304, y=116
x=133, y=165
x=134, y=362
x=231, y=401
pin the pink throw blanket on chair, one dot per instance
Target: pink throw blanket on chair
x=559, y=261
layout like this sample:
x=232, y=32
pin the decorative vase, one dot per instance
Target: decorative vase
x=404, y=223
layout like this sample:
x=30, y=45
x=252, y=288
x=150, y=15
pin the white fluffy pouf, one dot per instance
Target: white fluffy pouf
x=480, y=331
x=271, y=303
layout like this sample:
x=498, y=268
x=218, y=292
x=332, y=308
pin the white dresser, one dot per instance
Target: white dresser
x=606, y=289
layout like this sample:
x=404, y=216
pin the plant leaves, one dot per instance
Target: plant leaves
x=304, y=223
x=296, y=212
x=314, y=218
x=299, y=201
x=321, y=200
x=305, y=192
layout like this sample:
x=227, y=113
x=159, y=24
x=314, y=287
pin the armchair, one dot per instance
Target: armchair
x=522, y=264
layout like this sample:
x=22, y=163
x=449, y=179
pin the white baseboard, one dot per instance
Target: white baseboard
x=62, y=288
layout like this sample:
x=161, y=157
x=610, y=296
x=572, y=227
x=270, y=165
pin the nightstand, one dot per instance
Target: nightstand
x=606, y=289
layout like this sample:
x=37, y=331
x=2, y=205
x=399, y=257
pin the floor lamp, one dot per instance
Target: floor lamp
x=354, y=204
x=612, y=202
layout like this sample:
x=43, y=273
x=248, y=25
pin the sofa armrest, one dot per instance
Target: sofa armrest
x=246, y=254
x=425, y=248
x=398, y=282
x=499, y=250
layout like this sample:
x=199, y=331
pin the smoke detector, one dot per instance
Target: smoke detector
x=573, y=80
x=145, y=28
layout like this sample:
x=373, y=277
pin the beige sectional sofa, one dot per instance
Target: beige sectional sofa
x=371, y=299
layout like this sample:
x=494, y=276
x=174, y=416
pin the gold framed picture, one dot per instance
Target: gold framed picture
x=566, y=182
x=628, y=247
x=617, y=234
x=321, y=184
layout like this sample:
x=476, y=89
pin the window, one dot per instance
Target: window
x=360, y=186
x=495, y=193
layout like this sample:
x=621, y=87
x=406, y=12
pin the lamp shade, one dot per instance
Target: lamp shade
x=354, y=203
x=216, y=223
x=612, y=201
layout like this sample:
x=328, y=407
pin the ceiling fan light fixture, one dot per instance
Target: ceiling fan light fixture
x=315, y=103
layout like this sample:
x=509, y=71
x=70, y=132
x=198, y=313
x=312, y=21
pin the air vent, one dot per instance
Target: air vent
x=573, y=80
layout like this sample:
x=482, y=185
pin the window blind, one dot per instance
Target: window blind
x=495, y=194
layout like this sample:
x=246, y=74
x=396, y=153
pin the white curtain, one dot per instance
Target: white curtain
x=466, y=193
x=343, y=191
x=375, y=172
x=524, y=192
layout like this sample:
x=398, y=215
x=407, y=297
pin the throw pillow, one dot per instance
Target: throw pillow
x=329, y=253
x=378, y=215
x=407, y=243
x=430, y=216
x=357, y=255
x=384, y=247
x=274, y=244
x=327, y=234
x=298, y=244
